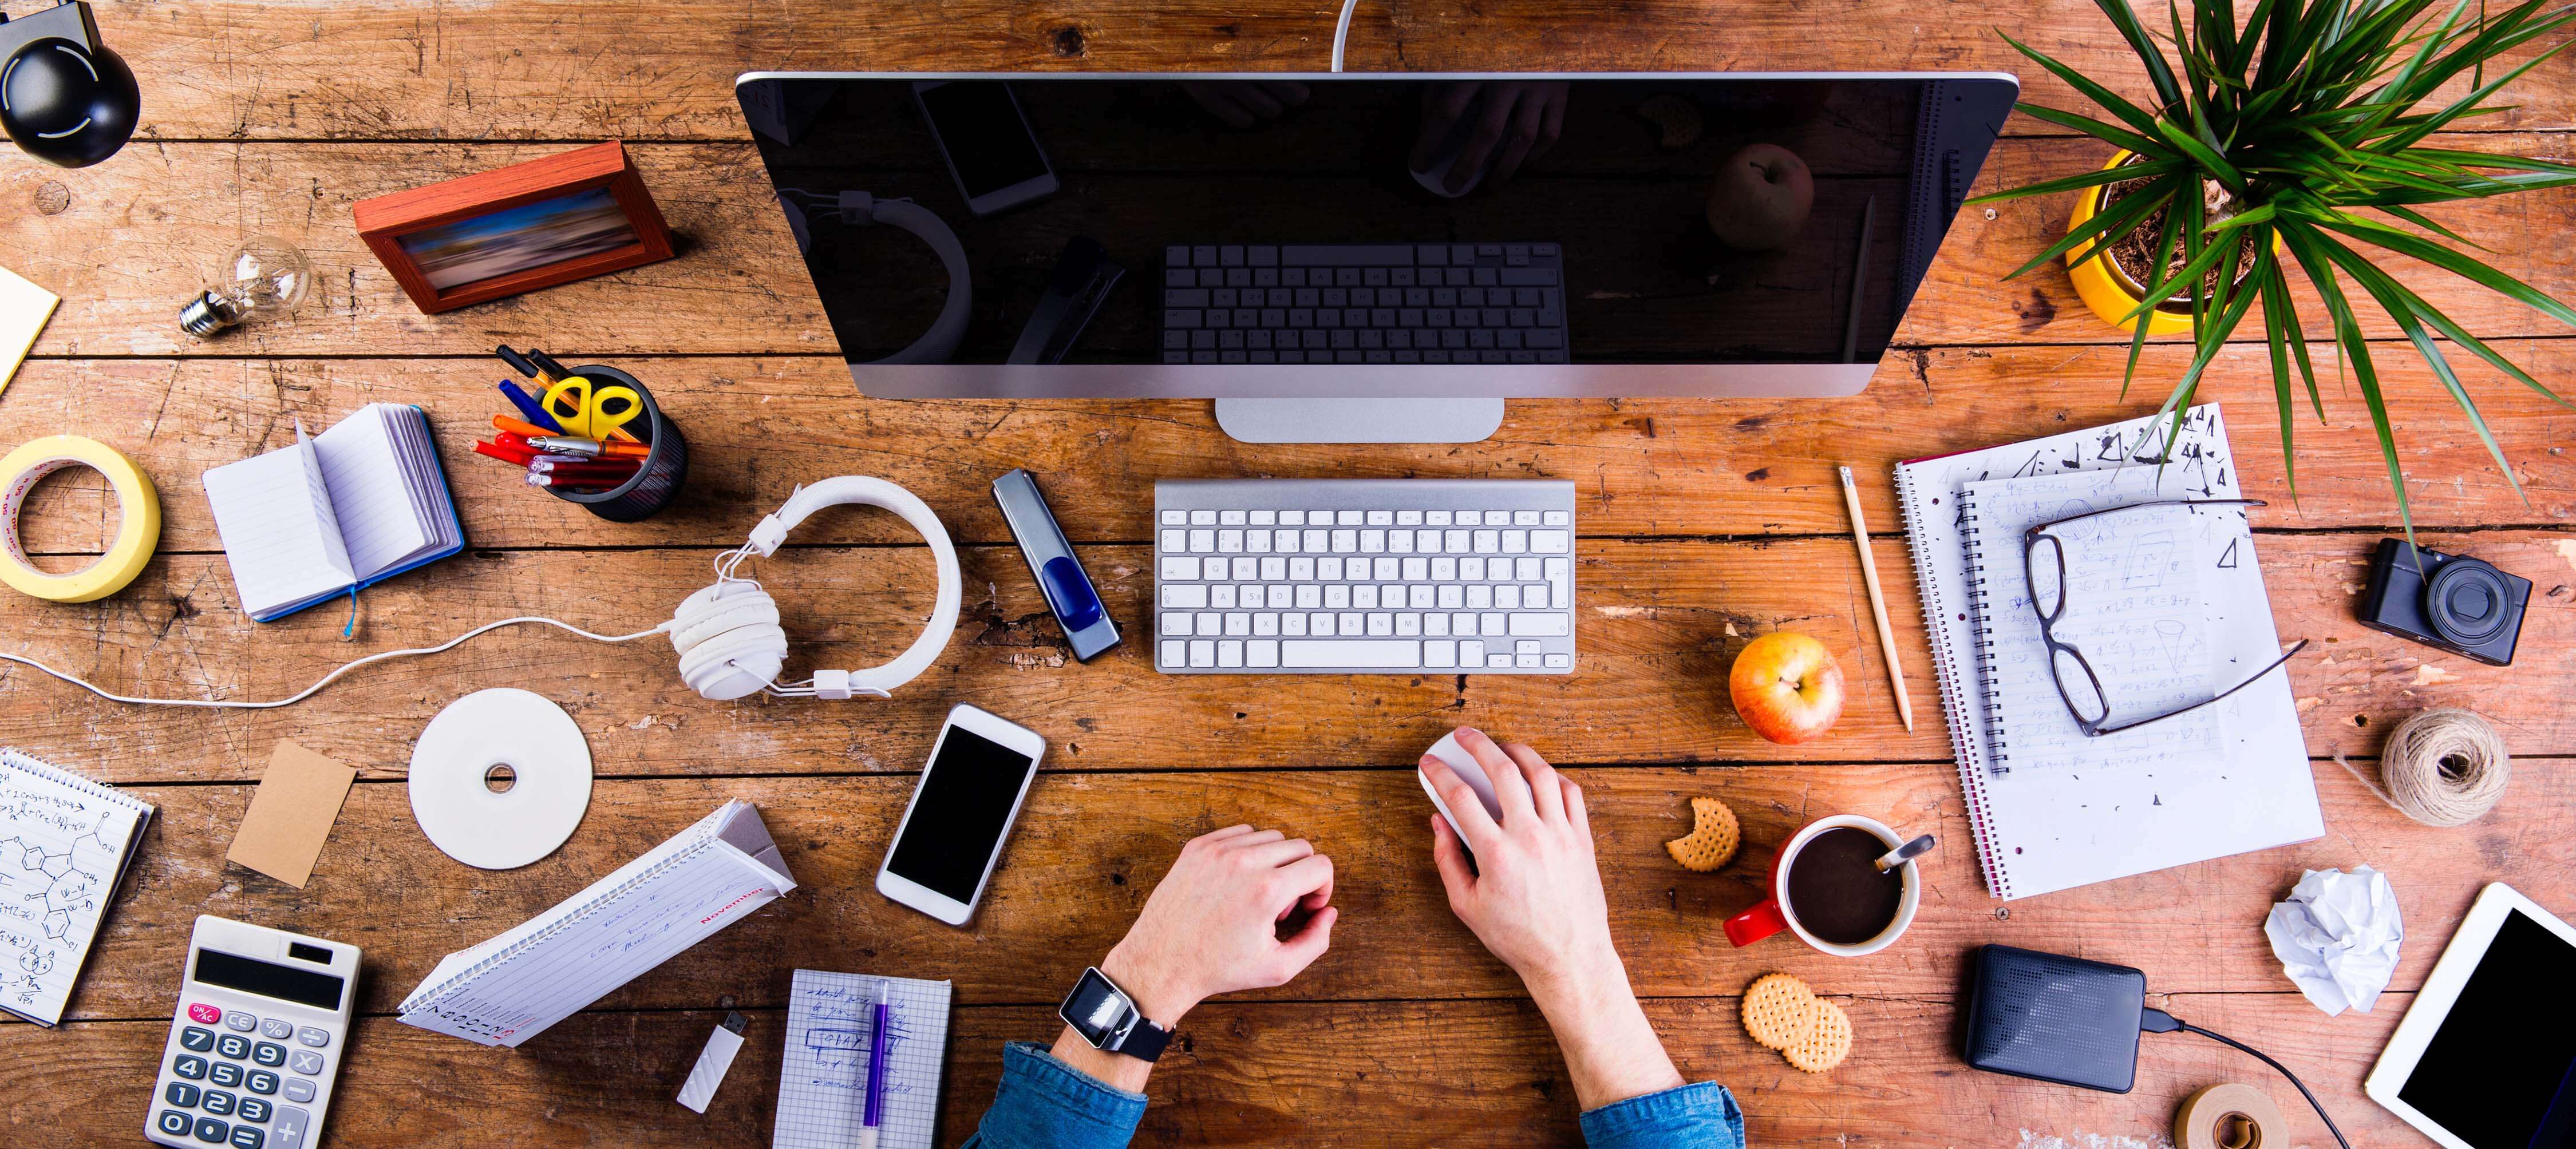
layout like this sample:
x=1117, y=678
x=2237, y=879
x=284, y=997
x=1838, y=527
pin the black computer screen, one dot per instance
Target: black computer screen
x=1682, y=220
x=2501, y=1071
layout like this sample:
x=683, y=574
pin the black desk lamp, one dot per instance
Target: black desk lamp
x=64, y=96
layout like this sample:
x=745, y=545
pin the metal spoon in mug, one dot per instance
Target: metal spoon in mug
x=1900, y=855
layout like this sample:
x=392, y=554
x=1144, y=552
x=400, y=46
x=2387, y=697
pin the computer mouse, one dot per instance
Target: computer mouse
x=1447, y=750
x=1436, y=179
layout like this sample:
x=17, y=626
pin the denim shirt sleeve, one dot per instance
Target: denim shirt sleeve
x=1044, y=1103
x=1698, y=1116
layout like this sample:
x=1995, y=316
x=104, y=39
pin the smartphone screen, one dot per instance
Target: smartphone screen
x=958, y=818
x=981, y=129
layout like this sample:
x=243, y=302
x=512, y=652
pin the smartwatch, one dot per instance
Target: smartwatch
x=1107, y=1018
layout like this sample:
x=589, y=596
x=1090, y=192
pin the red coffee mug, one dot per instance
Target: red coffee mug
x=1772, y=915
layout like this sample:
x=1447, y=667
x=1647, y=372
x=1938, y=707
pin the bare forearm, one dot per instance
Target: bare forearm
x=1611, y=1050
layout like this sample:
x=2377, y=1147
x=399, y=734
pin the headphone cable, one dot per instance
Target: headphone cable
x=2158, y=1021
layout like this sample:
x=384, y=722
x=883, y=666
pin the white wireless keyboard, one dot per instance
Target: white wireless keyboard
x=1364, y=576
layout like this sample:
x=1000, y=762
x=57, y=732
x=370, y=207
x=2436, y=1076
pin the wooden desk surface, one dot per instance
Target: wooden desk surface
x=1703, y=522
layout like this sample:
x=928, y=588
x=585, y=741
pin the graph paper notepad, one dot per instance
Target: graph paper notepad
x=65, y=844
x=512, y=987
x=823, y=1082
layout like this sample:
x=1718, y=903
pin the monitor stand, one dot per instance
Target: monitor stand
x=1359, y=420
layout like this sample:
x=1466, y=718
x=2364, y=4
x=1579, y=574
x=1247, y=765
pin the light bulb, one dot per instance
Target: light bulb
x=261, y=281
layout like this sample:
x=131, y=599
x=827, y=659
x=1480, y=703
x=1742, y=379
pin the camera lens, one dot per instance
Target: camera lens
x=2465, y=601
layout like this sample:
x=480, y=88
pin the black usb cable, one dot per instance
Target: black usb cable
x=2158, y=1021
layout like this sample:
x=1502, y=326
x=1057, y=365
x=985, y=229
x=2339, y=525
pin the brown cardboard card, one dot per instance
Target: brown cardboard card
x=291, y=815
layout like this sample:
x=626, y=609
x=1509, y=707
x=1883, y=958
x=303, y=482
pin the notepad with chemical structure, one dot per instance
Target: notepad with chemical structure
x=823, y=1081
x=65, y=844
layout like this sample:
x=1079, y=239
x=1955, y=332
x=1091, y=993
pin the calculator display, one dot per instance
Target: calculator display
x=286, y=983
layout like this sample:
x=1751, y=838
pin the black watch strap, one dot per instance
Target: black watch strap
x=1144, y=1042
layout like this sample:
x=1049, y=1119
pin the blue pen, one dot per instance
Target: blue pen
x=534, y=411
x=875, y=1111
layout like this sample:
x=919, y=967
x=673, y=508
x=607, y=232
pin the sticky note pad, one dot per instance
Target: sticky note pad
x=291, y=815
x=24, y=308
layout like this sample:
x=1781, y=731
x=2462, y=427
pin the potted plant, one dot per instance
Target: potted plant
x=2300, y=137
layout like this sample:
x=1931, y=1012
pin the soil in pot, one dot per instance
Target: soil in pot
x=2129, y=255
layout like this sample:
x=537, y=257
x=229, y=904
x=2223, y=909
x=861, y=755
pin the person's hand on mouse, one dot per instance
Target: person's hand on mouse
x=1519, y=119
x=1533, y=895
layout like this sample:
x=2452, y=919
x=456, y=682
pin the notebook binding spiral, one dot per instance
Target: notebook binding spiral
x=1981, y=606
x=1972, y=778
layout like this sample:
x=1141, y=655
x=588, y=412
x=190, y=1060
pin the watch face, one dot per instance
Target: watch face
x=1096, y=1010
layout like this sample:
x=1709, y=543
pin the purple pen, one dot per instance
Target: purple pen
x=877, y=1057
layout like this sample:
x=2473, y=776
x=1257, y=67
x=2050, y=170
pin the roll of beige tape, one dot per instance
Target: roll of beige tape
x=2230, y=1116
x=138, y=528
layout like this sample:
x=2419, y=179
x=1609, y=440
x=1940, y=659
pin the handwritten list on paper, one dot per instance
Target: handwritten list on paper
x=64, y=843
x=831, y=1031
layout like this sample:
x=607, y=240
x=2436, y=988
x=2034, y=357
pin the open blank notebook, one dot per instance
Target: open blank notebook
x=2051, y=808
x=65, y=844
x=679, y=893
x=365, y=501
x=823, y=1082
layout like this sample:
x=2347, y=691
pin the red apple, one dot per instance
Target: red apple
x=1760, y=198
x=1787, y=687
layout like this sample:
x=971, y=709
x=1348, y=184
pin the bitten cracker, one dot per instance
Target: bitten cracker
x=1827, y=1043
x=1713, y=838
x=1779, y=1010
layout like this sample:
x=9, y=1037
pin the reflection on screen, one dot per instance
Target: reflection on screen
x=2497, y=1074
x=1682, y=220
x=958, y=819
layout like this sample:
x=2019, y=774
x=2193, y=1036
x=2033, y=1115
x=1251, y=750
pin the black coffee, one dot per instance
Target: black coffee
x=1836, y=889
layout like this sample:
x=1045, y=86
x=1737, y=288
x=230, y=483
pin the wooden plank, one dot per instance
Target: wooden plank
x=1661, y=623
x=1089, y=847
x=570, y=69
x=1286, y=1074
x=125, y=242
x=757, y=427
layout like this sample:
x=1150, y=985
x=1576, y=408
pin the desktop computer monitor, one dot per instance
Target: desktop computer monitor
x=1368, y=258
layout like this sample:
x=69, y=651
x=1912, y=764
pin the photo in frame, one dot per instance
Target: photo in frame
x=515, y=229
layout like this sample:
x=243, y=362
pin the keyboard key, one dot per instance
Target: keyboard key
x=233, y=1046
x=211, y=1131
x=1229, y=653
x=1176, y=653
x=240, y=1021
x=1551, y=542
x=261, y=1082
x=1560, y=661
x=1261, y=653
x=1551, y=624
x=1471, y=654
x=1202, y=653
x=175, y=1123
x=293, y=1126
x=1440, y=653
x=1346, y=255
x=217, y=1102
x=308, y=1064
x=270, y=1053
x=1382, y=654
x=189, y=1066
x=245, y=1137
x=196, y=1039
x=298, y=1089
x=254, y=1109
x=181, y=1094
x=1187, y=596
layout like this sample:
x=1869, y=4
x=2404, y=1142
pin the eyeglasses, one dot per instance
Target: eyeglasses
x=2085, y=698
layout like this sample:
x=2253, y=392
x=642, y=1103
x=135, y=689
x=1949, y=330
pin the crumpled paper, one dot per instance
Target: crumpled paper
x=2337, y=937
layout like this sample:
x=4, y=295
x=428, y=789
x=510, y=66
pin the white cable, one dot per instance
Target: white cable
x=327, y=679
x=1342, y=32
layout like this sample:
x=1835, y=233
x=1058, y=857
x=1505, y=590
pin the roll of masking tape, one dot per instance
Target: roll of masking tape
x=2230, y=1116
x=138, y=527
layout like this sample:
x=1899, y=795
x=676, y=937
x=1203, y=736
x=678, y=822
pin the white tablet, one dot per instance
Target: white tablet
x=2486, y=1057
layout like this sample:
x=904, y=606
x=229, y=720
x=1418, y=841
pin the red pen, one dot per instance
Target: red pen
x=505, y=451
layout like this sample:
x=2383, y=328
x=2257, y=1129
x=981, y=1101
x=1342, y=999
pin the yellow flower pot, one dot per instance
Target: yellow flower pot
x=2101, y=284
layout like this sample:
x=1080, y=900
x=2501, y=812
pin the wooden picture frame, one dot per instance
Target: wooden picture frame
x=441, y=245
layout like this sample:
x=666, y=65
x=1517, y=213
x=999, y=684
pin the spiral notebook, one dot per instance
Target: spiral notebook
x=2048, y=811
x=678, y=894
x=65, y=844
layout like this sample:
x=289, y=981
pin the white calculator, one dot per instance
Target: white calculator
x=256, y=1042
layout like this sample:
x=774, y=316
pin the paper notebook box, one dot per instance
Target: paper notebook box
x=361, y=503
x=65, y=845
x=509, y=989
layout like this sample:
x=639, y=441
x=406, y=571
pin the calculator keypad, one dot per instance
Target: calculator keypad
x=225, y=1073
x=298, y=1089
x=233, y=1046
x=175, y=1123
x=268, y=1053
x=217, y=1102
x=275, y=1030
x=260, y=1081
x=196, y=1039
x=180, y=1094
x=191, y=1067
x=271, y=1062
x=242, y=1022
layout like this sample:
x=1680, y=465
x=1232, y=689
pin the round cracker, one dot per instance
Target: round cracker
x=1826, y=1044
x=1779, y=1010
x=1715, y=835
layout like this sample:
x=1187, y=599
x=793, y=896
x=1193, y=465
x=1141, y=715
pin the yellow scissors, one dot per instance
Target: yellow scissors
x=593, y=412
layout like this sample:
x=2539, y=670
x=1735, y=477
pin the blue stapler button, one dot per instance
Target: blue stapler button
x=1070, y=593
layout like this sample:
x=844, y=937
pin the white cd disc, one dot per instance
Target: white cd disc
x=458, y=762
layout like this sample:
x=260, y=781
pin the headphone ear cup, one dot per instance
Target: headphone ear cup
x=700, y=619
x=735, y=664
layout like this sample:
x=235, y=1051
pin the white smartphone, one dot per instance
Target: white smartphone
x=990, y=150
x=952, y=833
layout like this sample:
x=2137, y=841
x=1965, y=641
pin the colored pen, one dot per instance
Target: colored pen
x=555, y=372
x=505, y=452
x=875, y=1111
x=528, y=406
x=574, y=445
x=519, y=426
x=520, y=364
x=560, y=482
x=570, y=467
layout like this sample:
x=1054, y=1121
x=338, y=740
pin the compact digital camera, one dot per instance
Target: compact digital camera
x=2454, y=602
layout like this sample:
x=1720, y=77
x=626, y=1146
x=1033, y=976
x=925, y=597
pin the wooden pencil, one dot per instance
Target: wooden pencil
x=1877, y=601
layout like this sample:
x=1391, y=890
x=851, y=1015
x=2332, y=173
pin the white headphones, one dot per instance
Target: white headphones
x=728, y=635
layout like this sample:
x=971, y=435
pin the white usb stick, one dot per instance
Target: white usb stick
x=726, y=1041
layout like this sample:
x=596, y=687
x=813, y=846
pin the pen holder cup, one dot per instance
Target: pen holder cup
x=657, y=483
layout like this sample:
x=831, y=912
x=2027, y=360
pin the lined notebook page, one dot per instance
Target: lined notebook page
x=373, y=492
x=64, y=844
x=512, y=987
x=280, y=534
x=823, y=1081
x=2133, y=607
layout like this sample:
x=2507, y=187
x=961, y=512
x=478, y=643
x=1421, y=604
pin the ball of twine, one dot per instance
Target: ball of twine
x=2442, y=767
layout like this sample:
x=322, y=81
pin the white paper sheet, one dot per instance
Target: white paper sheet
x=2337, y=937
x=823, y=1081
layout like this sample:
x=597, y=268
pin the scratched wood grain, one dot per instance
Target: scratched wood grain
x=1641, y=467
x=1255, y=1073
x=126, y=242
x=1660, y=623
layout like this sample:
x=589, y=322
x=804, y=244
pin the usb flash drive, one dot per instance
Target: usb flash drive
x=1060, y=576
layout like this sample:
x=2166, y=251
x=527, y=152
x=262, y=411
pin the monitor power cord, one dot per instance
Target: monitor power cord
x=1342, y=31
x=2158, y=1021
